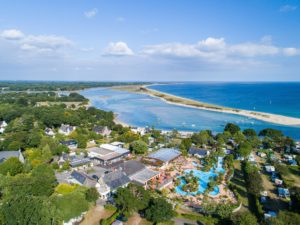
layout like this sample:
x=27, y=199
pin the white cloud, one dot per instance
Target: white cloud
x=12, y=34
x=213, y=47
x=91, y=13
x=118, y=49
x=253, y=50
x=288, y=8
x=212, y=43
x=47, y=41
x=36, y=44
x=291, y=51
x=215, y=51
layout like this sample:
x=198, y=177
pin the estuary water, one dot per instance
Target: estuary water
x=143, y=110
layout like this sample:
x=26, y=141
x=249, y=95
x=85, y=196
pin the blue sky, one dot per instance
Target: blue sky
x=170, y=40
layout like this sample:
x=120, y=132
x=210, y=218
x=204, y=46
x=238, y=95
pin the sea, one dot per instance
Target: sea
x=145, y=111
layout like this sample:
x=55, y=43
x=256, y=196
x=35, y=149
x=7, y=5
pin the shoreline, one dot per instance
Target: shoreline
x=185, y=102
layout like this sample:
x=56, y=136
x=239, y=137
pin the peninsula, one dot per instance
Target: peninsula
x=175, y=100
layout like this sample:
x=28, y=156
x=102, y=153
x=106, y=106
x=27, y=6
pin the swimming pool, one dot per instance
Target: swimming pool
x=203, y=179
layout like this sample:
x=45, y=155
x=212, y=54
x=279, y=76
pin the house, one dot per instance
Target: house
x=138, y=130
x=283, y=192
x=251, y=158
x=162, y=157
x=82, y=179
x=118, y=144
x=288, y=157
x=75, y=160
x=49, y=132
x=103, y=130
x=292, y=162
x=66, y=129
x=4, y=155
x=274, y=176
x=117, y=222
x=270, y=214
x=151, y=140
x=278, y=182
x=269, y=168
x=71, y=144
x=3, y=125
x=107, y=154
x=198, y=152
x=110, y=182
x=262, y=154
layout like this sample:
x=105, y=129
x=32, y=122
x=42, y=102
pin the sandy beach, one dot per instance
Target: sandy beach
x=175, y=100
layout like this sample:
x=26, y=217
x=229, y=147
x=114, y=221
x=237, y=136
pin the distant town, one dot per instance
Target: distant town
x=63, y=161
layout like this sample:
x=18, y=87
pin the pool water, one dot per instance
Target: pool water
x=204, y=178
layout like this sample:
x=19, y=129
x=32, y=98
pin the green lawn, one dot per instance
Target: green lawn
x=239, y=183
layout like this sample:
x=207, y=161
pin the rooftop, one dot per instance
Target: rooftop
x=165, y=154
x=198, y=151
x=131, y=167
x=116, y=179
x=83, y=179
x=144, y=175
x=4, y=155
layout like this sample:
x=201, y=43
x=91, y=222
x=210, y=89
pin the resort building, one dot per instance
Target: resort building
x=144, y=177
x=66, y=129
x=102, y=130
x=107, y=154
x=162, y=157
x=4, y=155
x=198, y=152
x=139, y=173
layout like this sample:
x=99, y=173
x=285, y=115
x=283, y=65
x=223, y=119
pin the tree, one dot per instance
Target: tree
x=159, y=210
x=44, y=180
x=295, y=197
x=270, y=132
x=253, y=179
x=81, y=141
x=138, y=147
x=132, y=198
x=285, y=218
x=70, y=205
x=29, y=210
x=92, y=195
x=125, y=201
x=239, y=137
x=244, y=218
x=203, y=137
x=11, y=166
x=249, y=133
x=232, y=128
x=244, y=149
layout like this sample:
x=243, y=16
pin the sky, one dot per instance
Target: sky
x=150, y=40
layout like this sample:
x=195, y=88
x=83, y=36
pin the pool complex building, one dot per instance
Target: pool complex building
x=204, y=178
